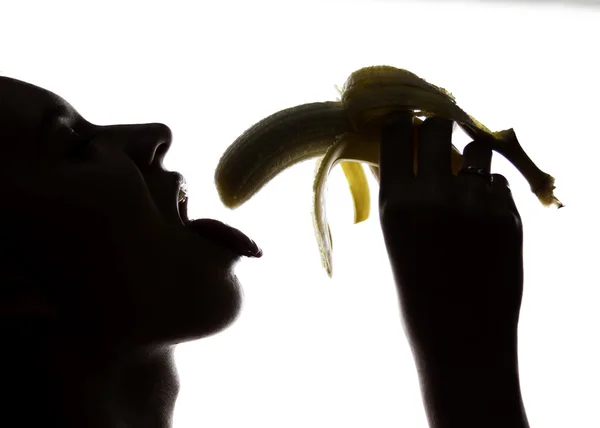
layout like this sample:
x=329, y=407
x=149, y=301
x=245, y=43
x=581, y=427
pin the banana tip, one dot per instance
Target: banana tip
x=230, y=201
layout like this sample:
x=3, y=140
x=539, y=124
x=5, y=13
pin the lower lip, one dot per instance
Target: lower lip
x=220, y=233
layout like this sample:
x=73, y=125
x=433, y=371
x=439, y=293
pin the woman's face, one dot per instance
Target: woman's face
x=97, y=223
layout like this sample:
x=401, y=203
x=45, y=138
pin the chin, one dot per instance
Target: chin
x=233, y=303
x=218, y=308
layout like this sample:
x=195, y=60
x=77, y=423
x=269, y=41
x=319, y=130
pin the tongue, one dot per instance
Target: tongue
x=219, y=232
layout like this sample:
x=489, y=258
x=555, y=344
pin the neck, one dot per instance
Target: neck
x=59, y=387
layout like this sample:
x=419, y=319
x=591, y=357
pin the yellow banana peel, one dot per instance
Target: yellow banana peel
x=348, y=131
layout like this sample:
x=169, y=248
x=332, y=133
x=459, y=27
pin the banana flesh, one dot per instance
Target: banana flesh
x=348, y=132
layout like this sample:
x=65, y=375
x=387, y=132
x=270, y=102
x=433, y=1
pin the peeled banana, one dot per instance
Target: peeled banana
x=348, y=131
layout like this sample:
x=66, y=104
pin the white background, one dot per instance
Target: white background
x=308, y=351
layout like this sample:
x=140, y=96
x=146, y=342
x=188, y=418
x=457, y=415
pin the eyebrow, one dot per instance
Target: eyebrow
x=55, y=111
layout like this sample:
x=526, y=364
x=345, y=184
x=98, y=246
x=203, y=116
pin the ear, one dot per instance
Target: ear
x=22, y=299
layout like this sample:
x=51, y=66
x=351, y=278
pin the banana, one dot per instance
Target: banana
x=348, y=131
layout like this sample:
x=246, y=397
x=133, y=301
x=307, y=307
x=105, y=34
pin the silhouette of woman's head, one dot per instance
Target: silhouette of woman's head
x=93, y=245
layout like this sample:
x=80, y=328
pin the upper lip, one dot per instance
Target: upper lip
x=212, y=229
x=181, y=187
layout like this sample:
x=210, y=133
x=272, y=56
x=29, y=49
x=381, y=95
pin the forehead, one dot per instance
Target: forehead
x=23, y=105
x=23, y=101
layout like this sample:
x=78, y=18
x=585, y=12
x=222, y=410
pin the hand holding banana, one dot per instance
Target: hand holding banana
x=348, y=131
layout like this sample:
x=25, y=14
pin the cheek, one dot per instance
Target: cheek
x=83, y=221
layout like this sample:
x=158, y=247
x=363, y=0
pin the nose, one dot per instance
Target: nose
x=146, y=144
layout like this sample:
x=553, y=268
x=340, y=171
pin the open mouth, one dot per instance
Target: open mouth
x=215, y=230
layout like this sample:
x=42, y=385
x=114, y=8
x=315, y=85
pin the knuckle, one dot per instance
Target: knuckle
x=477, y=147
x=500, y=180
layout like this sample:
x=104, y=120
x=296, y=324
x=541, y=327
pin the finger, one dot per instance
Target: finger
x=501, y=189
x=435, y=148
x=396, y=152
x=500, y=183
x=478, y=154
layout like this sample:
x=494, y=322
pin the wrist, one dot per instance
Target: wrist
x=473, y=392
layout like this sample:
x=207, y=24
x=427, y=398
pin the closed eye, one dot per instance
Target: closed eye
x=56, y=129
x=80, y=145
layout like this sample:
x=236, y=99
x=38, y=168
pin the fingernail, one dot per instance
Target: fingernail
x=255, y=251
